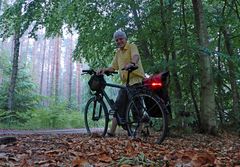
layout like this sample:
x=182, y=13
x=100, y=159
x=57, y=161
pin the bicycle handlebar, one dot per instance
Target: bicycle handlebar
x=130, y=69
x=110, y=73
x=88, y=72
x=91, y=72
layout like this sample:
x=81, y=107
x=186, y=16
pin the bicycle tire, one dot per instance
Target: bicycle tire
x=96, y=118
x=141, y=123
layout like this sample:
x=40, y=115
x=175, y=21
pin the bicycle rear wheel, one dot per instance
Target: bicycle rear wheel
x=96, y=117
x=146, y=117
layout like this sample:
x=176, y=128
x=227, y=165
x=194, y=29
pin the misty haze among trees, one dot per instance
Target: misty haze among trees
x=45, y=45
x=47, y=74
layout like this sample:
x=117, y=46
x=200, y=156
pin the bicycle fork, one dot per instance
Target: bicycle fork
x=96, y=115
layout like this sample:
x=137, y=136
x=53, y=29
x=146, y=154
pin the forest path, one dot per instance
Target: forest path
x=73, y=147
x=47, y=131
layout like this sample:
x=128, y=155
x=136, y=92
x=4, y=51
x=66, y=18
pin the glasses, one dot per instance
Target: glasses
x=119, y=39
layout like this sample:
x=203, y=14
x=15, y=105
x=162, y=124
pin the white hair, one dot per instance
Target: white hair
x=119, y=34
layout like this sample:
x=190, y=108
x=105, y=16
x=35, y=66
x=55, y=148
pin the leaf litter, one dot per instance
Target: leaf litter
x=81, y=150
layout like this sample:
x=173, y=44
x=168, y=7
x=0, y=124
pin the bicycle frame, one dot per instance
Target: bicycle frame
x=105, y=95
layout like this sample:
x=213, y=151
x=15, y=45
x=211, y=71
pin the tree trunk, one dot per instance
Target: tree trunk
x=219, y=83
x=185, y=35
x=66, y=73
x=167, y=35
x=34, y=57
x=42, y=68
x=11, y=90
x=78, y=84
x=177, y=86
x=48, y=82
x=57, y=74
x=165, y=47
x=70, y=73
x=207, y=101
x=195, y=101
x=1, y=77
x=178, y=90
x=184, y=39
x=232, y=75
x=53, y=62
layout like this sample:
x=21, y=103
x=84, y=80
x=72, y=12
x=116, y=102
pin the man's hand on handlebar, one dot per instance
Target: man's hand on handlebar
x=130, y=67
x=106, y=71
x=100, y=71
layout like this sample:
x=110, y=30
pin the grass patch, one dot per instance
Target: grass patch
x=47, y=119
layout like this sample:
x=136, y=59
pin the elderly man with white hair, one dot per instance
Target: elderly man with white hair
x=126, y=55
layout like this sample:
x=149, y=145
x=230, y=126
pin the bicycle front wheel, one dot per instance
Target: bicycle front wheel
x=146, y=117
x=96, y=117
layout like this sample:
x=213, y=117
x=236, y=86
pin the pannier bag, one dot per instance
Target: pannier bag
x=158, y=83
x=97, y=83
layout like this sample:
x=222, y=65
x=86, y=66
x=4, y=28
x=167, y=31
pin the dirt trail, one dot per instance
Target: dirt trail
x=55, y=131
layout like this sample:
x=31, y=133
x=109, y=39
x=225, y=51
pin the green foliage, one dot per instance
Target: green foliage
x=45, y=119
x=141, y=160
x=14, y=119
x=20, y=16
x=25, y=97
x=57, y=116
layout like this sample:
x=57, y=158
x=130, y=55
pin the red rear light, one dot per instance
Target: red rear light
x=156, y=84
x=156, y=81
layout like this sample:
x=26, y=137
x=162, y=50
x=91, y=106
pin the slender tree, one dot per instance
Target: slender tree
x=34, y=60
x=49, y=58
x=78, y=84
x=207, y=100
x=15, y=56
x=57, y=74
x=70, y=72
x=53, y=63
x=232, y=75
x=166, y=17
x=219, y=84
x=42, y=68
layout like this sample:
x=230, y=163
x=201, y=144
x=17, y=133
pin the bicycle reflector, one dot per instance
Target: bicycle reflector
x=153, y=82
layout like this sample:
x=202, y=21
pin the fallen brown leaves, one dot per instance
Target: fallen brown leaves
x=81, y=150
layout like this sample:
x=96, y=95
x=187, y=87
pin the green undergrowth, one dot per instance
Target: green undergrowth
x=44, y=119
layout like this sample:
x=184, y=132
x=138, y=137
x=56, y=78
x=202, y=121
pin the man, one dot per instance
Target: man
x=126, y=55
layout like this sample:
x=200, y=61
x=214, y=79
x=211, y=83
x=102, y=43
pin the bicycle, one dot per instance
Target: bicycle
x=146, y=114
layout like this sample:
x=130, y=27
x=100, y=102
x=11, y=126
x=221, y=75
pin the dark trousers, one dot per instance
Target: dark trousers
x=121, y=103
x=122, y=100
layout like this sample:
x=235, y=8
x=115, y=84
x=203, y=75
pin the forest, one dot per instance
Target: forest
x=45, y=45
